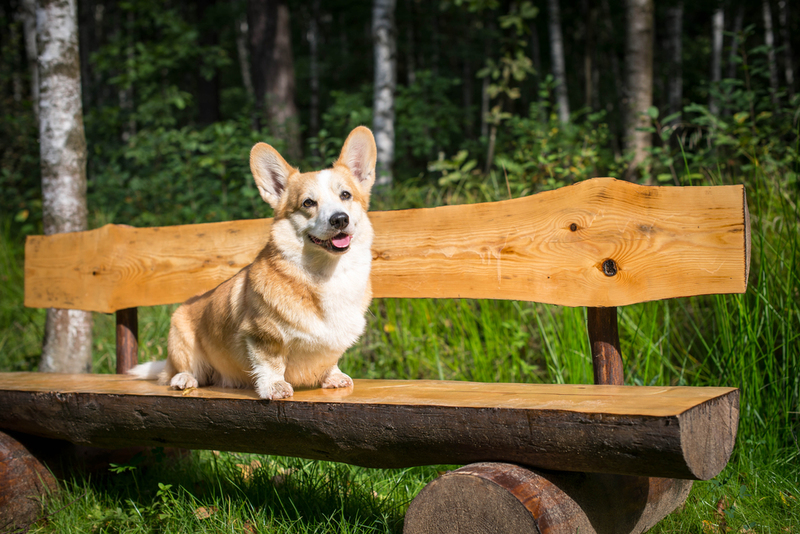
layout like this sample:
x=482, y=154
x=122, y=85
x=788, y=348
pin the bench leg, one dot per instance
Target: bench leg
x=497, y=497
x=24, y=480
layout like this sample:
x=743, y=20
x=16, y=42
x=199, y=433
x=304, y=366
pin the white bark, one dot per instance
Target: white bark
x=557, y=55
x=384, y=38
x=28, y=11
x=717, y=27
x=68, y=333
x=769, y=41
x=675, y=43
x=243, y=56
x=638, y=79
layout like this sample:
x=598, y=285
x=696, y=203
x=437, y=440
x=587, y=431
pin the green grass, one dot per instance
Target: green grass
x=750, y=341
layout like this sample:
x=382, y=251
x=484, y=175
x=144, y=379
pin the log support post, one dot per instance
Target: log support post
x=127, y=339
x=500, y=497
x=24, y=482
x=604, y=341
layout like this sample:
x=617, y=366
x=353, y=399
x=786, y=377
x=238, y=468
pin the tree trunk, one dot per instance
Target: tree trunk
x=28, y=11
x=411, y=61
x=717, y=27
x=68, y=333
x=536, y=57
x=207, y=88
x=273, y=71
x=243, y=55
x=788, y=57
x=675, y=47
x=466, y=95
x=313, y=43
x=639, y=80
x=737, y=27
x=769, y=41
x=621, y=93
x=385, y=47
x=557, y=55
x=590, y=12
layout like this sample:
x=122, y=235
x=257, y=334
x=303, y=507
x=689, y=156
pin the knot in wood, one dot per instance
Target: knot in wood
x=609, y=267
x=573, y=227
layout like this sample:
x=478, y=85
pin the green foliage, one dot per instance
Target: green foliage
x=177, y=176
x=150, y=59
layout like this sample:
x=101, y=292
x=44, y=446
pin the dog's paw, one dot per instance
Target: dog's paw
x=279, y=389
x=337, y=380
x=183, y=381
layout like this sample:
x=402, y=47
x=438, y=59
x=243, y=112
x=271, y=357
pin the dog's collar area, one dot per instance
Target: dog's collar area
x=337, y=244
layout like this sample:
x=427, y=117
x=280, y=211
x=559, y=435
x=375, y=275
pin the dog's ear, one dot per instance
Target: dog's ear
x=359, y=154
x=270, y=171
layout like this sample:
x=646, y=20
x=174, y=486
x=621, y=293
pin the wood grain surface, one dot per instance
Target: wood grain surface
x=678, y=432
x=600, y=242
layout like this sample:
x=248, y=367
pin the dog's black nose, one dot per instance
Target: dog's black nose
x=340, y=220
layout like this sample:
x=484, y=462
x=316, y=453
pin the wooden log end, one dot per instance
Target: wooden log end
x=24, y=482
x=497, y=497
x=708, y=434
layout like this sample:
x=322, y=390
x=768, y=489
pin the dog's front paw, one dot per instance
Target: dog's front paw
x=279, y=389
x=183, y=381
x=337, y=380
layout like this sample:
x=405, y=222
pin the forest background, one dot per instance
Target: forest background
x=491, y=99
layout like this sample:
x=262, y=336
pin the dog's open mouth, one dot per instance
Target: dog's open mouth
x=338, y=243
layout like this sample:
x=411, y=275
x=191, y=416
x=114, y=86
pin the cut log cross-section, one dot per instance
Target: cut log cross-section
x=543, y=458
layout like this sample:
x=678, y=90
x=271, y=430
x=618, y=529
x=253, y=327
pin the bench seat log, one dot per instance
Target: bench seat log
x=678, y=432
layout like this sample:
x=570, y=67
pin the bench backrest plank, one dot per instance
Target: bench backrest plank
x=552, y=247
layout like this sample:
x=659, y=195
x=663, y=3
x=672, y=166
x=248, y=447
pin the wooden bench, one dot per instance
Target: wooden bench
x=543, y=458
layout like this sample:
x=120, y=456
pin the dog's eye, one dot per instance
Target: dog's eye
x=308, y=203
x=345, y=195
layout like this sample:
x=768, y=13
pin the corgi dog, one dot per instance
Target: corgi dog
x=285, y=320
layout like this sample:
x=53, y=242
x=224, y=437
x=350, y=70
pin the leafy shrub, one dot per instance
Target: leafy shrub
x=176, y=176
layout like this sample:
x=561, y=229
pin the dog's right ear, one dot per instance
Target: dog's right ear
x=270, y=171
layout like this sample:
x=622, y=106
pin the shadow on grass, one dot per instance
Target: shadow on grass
x=210, y=491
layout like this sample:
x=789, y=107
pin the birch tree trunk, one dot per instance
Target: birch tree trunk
x=769, y=41
x=68, y=333
x=717, y=27
x=788, y=57
x=638, y=79
x=675, y=45
x=384, y=38
x=557, y=55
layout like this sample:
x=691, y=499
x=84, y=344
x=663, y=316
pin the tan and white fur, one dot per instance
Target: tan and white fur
x=285, y=320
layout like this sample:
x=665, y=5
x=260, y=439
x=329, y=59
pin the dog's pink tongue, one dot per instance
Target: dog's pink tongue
x=341, y=240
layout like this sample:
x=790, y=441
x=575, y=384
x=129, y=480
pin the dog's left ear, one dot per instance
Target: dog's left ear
x=359, y=154
x=270, y=171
